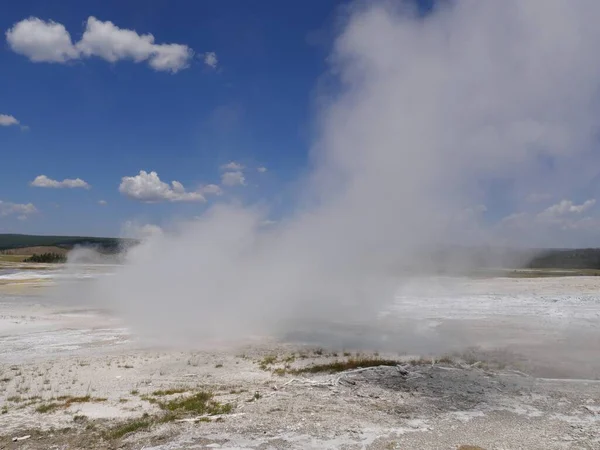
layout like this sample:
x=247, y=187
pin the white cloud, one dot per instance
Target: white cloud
x=262, y=169
x=210, y=59
x=102, y=202
x=212, y=189
x=43, y=41
x=545, y=228
x=43, y=181
x=233, y=179
x=233, y=175
x=567, y=207
x=147, y=187
x=7, y=120
x=106, y=40
x=22, y=209
x=232, y=165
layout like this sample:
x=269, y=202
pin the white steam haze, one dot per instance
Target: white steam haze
x=426, y=110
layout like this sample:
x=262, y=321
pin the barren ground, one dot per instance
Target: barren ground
x=499, y=364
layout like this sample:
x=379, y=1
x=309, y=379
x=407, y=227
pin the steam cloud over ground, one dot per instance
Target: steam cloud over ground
x=428, y=112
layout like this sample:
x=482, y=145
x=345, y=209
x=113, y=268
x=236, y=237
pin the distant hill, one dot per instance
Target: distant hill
x=455, y=258
x=103, y=244
x=580, y=258
x=513, y=258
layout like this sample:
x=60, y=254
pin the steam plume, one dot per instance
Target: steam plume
x=427, y=112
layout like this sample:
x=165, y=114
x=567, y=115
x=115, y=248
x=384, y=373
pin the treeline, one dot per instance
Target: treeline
x=585, y=258
x=106, y=245
x=47, y=258
x=461, y=259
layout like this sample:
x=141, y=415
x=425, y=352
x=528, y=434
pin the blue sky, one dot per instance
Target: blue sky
x=99, y=121
x=151, y=111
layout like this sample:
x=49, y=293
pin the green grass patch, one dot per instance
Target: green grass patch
x=267, y=361
x=48, y=407
x=342, y=366
x=201, y=403
x=148, y=399
x=130, y=427
x=162, y=393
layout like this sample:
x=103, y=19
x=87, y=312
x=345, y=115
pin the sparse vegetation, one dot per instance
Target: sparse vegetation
x=446, y=359
x=47, y=407
x=149, y=399
x=66, y=401
x=201, y=403
x=267, y=361
x=162, y=393
x=129, y=427
x=341, y=366
x=420, y=361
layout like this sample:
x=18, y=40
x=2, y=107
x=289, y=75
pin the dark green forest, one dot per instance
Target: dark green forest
x=47, y=258
x=585, y=258
x=106, y=245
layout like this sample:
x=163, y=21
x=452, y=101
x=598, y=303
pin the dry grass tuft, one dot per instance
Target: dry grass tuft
x=342, y=366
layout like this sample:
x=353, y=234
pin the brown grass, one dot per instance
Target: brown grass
x=342, y=366
x=65, y=402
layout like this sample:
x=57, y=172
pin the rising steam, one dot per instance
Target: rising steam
x=427, y=113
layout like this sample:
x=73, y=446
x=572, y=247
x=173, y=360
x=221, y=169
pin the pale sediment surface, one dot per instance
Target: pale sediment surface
x=523, y=372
